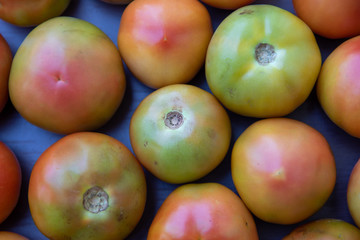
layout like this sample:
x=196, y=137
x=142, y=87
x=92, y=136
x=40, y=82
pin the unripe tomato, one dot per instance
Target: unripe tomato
x=88, y=186
x=180, y=133
x=10, y=181
x=4, y=235
x=338, y=86
x=5, y=64
x=208, y=211
x=353, y=193
x=164, y=41
x=283, y=169
x=325, y=229
x=27, y=13
x=262, y=61
x=330, y=18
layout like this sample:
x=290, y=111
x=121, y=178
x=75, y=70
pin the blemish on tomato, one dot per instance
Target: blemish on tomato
x=246, y=11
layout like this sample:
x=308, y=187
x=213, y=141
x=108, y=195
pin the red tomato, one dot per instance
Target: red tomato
x=180, y=133
x=87, y=186
x=330, y=18
x=67, y=76
x=5, y=64
x=203, y=211
x=10, y=181
x=353, y=193
x=325, y=229
x=228, y=4
x=338, y=86
x=283, y=169
x=26, y=13
x=11, y=236
x=164, y=41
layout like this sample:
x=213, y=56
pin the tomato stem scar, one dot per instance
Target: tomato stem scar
x=95, y=200
x=265, y=53
x=174, y=119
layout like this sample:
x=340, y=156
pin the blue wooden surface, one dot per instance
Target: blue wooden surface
x=28, y=141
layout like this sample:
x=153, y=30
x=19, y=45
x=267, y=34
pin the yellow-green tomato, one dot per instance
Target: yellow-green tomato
x=353, y=193
x=338, y=86
x=283, y=169
x=67, y=76
x=164, y=42
x=208, y=211
x=325, y=229
x=30, y=13
x=180, y=133
x=262, y=61
x=88, y=186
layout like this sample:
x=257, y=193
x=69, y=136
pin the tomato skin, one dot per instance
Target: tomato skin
x=203, y=211
x=330, y=18
x=326, y=229
x=353, y=193
x=338, y=86
x=190, y=151
x=10, y=181
x=227, y=4
x=5, y=64
x=75, y=81
x=4, y=235
x=283, y=169
x=70, y=167
x=262, y=61
x=25, y=14
x=156, y=40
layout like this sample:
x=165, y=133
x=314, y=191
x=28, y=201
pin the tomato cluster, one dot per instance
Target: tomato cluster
x=191, y=119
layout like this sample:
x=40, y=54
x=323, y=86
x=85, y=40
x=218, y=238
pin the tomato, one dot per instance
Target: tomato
x=10, y=181
x=338, y=86
x=227, y=4
x=283, y=169
x=164, y=42
x=5, y=64
x=87, y=185
x=203, y=211
x=67, y=76
x=326, y=229
x=262, y=61
x=353, y=193
x=180, y=133
x=11, y=236
x=25, y=13
x=330, y=18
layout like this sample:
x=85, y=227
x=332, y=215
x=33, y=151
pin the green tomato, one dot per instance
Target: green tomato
x=180, y=133
x=262, y=61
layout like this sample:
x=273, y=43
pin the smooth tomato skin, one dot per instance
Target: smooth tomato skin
x=5, y=64
x=67, y=169
x=4, y=235
x=25, y=13
x=283, y=169
x=325, y=229
x=237, y=74
x=190, y=151
x=338, y=86
x=10, y=181
x=353, y=193
x=227, y=4
x=164, y=42
x=330, y=18
x=208, y=211
x=75, y=81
